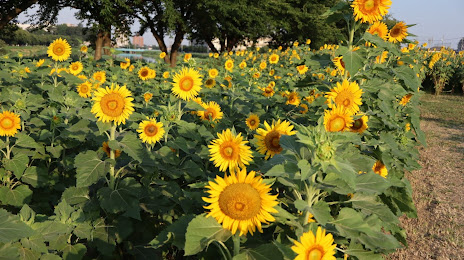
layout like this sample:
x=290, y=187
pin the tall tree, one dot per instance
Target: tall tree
x=10, y=9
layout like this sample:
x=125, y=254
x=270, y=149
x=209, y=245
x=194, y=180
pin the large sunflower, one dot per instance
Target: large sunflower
x=269, y=137
x=187, y=83
x=59, y=50
x=337, y=120
x=398, y=32
x=380, y=29
x=359, y=125
x=229, y=151
x=9, y=123
x=212, y=111
x=112, y=104
x=76, y=68
x=346, y=95
x=318, y=247
x=370, y=11
x=380, y=169
x=85, y=89
x=241, y=202
x=150, y=131
x=252, y=121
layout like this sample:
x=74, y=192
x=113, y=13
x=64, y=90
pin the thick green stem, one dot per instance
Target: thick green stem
x=236, y=239
x=55, y=75
x=8, y=151
x=112, y=156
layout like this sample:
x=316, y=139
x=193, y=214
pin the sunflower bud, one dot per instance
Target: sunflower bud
x=325, y=151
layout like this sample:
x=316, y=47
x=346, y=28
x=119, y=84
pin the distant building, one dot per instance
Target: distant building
x=137, y=41
x=261, y=42
x=123, y=41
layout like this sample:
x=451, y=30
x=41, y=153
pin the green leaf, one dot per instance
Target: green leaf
x=305, y=169
x=36, y=244
x=263, y=252
x=15, y=197
x=375, y=240
x=51, y=230
x=89, y=168
x=8, y=252
x=371, y=183
x=123, y=198
x=35, y=176
x=23, y=140
x=74, y=195
x=132, y=145
x=369, y=205
x=27, y=214
x=201, y=231
x=63, y=212
x=321, y=212
x=55, y=150
x=350, y=223
x=11, y=227
x=358, y=251
x=353, y=62
x=74, y=252
x=81, y=126
x=17, y=164
x=174, y=232
x=50, y=257
x=27, y=254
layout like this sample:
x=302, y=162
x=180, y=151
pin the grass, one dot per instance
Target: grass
x=447, y=108
x=27, y=51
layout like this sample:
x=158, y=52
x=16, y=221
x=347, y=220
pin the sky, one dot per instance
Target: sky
x=436, y=22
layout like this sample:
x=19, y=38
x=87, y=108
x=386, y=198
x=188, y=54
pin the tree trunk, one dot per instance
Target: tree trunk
x=212, y=47
x=107, y=43
x=161, y=43
x=175, y=47
x=99, y=45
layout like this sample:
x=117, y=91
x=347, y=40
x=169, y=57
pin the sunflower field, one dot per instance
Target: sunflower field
x=256, y=154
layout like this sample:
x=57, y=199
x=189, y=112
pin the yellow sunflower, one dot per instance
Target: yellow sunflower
x=229, y=151
x=59, y=50
x=213, y=73
x=293, y=99
x=380, y=29
x=187, y=57
x=187, y=83
x=39, y=63
x=370, y=11
x=380, y=169
x=346, y=95
x=302, y=69
x=112, y=104
x=100, y=76
x=144, y=73
x=229, y=65
x=315, y=247
x=126, y=64
x=305, y=108
x=263, y=65
x=162, y=55
x=398, y=32
x=359, y=125
x=212, y=111
x=252, y=121
x=267, y=91
x=150, y=131
x=84, y=49
x=337, y=119
x=216, y=55
x=241, y=202
x=274, y=58
x=269, y=137
x=210, y=83
x=340, y=64
x=9, y=123
x=147, y=96
x=85, y=89
x=405, y=99
x=76, y=68
x=381, y=58
x=106, y=148
x=242, y=65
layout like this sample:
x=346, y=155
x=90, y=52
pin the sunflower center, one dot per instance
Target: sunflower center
x=337, y=124
x=58, y=49
x=272, y=141
x=112, y=104
x=144, y=73
x=342, y=63
x=395, y=32
x=369, y=5
x=357, y=124
x=151, y=130
x=252, y=122
x=75, y=67
x=210, y=114
x=240, y=201
x=7, y=123
x=84, y=88
x=229, y=151
x=186, y=83
x=344, y=98
x=314, y=254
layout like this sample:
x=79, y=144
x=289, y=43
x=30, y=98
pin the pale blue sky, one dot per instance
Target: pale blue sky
x=436, y=21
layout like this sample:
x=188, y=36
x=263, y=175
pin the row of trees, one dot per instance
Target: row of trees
x=230, y=21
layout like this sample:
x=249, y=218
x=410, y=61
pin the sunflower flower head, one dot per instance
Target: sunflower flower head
x=59, y=50
x=337, y=120
x=346, y=95
x=370, y=11
x=380, y=169
x=229, y=151
x=212, y=111
x=398, y=32
x=150, y=131
x=269, y=137
x=112, y=104
x=252, y=121
x=10, y=123
x=85, y=89
x=186, y=83
x=315, y=246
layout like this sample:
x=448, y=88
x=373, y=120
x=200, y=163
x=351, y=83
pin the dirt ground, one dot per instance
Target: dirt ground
x=438, y=188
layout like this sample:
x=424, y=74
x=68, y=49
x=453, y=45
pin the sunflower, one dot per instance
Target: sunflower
x=187, y=83
x=407, y=127
x=337, y=119
x=252, y=121
x=76, y=68
x=380, y=29
x=346, y=95
x=319, y=246
x=84, y=49
x=398, y=32
x=147, y=96
x=229, y=65
x=340, y=64
x=113, y=104
x=380, y=169
x=216, y=55
x=106, y=148
x=263, y=65
x=381, y=58
x=370, y=11
x=213, y=73
x=435, y=58
x=360, y=124
x=162, y=55
x=293, y=99
x=242, y=65
x=267, y=91
x=187, y=57
x=305, y=108
x=9, y=123
x=210, y=83
x=212, y=111
x=85, y=89
x=59, y=50
x=229, y=151
x=166, y=74
x=144, y=73
x=274, y=58
x=100, y=76
x=39, y=63
x=302, y=69
x=150, y=131
x=125, y=65
x=241, y=202
x=405, y=99
x=269, y=138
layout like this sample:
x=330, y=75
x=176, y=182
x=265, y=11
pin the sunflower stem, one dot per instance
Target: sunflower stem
x=236, y=239
x=55, y=75
x=8, y=151
x=112, y=156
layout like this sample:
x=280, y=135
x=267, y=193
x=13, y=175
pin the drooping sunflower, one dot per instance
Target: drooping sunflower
x=370, y=11
x=229, y=65
x=359, y=125
x=9, y=123
x=112, y=104
x=320, y=246
x=100, y=76
x=337, y=119
x=269, y=137
x=59, y=50
x=398, y=32
x=380, y=169
x=187, y=83
x=210, y=83
x=293, y=99
x=346, y=95
x=144, y=73
x=252, y=121
x=405, y=99
x=274, y=58
x=85, y=89
x=305, y=108
x=213, y=73
x=380, y=29
x=302, y=69
x=241, y=202
x=76, y=68
x=106, y=148
x=212, y=111
x=229, y=151
x=150, y=131
x=340, y=64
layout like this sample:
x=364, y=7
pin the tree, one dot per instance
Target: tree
x=10, y=9
x=461, y=45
